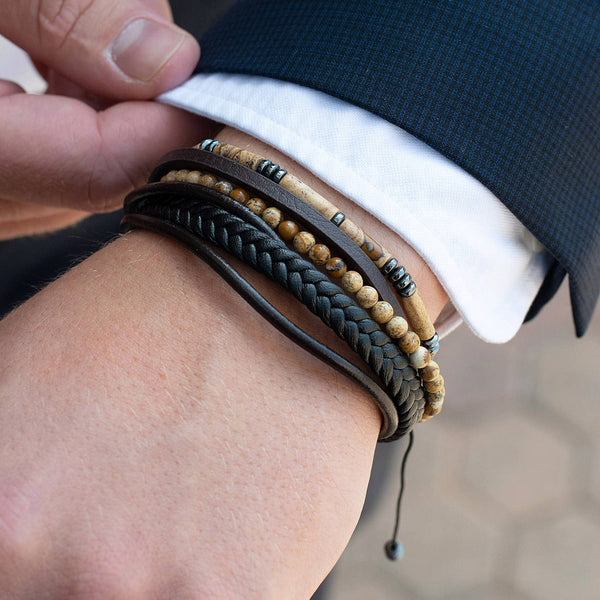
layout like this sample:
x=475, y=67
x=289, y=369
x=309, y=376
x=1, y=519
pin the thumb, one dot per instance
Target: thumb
x=113, y=48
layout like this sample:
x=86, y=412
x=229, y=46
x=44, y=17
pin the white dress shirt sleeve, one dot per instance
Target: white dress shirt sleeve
x=489, y=264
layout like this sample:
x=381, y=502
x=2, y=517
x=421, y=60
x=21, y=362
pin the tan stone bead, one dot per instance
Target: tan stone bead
x=352, y=281
x=409, y=342
x=367, y=296
x=194, y=177
x=430, y=372
x=432, y=397
x=223, y=186
x=396, y=327
x=239, y=195
x=181, y=175
x=287, y=230
x=170, y=176
x=272, y=217
x=435, y=385
x=336, y=267
x=431, y=410
x=208, y=180
x=256, y=205
x=303, y=242
x=382, y=312
x=420, y=358
x=319, y=254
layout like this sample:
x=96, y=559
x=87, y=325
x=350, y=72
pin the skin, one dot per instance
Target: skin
x=94, y=135
x=161, y=440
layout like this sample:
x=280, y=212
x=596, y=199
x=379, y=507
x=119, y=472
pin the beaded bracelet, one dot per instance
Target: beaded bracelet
x=367, y=297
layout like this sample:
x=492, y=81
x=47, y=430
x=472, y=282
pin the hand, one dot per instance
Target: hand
x=94, y=135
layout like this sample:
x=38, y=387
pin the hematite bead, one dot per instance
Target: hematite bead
x=271, y=170
x=396, y=274
x=431, y=342
x=389, y=266
x=262, y=165
x=206, y=143
x=403, y=282
x=338, y=218
x=277, y=177
x=408, y=291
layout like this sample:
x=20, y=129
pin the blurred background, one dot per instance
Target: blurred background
x=503, y=488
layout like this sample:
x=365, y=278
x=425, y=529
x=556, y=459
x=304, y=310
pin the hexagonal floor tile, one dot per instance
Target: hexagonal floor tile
x=567, y=377
x=560, y=560
x=516, y=463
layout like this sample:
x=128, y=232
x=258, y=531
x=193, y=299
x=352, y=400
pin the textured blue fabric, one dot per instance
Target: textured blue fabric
x=508, y=90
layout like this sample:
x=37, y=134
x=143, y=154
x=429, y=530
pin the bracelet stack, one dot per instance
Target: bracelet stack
x=181, y=201
x=422, y=343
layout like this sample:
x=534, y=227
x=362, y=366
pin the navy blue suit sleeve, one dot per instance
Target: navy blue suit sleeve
x=509, y=91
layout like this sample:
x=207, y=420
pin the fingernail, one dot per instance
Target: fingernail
x=144, y=46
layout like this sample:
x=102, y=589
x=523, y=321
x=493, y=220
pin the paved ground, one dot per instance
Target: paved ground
x=503, y=497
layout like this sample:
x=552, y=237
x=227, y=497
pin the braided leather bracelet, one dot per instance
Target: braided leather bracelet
x=224, y=174
x=195, y=211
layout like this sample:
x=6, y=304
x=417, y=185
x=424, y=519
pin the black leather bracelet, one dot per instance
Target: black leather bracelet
x=193, y=214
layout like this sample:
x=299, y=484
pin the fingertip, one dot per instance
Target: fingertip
x=180, y=66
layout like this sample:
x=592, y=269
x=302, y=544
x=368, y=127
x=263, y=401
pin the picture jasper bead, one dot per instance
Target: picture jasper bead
x=208, y=180
x=224, y=187
x=382, y=312
x=367, y=296
x=435, y=385
x=336, y=267
x=194, y=177
x=409, y=342
x=272, y=217
x=319, y=254
x=287, y=230
x=240, y=195
x=256, y=205
x=303, y=242
x=431, y=372
x=181, y=175
x=396, y=327
x=420, y=358
x=352, y=282
x=170, y=176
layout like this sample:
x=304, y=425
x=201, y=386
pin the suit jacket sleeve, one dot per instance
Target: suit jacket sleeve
x=507, y=90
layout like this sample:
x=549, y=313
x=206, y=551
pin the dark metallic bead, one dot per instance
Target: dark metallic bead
x=397, y=274
x=263, y=165
x=272, y=170
x=338, y=218
x=403, y=282
x=408, y=291
x=394, y=550
x=206, y=143
x=432, y=344
x=389, y=266
x=281, y=173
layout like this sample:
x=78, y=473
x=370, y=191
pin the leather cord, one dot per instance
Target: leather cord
x=294, y=208
x=197, y=210
x=205, y=251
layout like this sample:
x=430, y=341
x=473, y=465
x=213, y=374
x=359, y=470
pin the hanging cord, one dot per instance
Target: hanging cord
x=393, y=548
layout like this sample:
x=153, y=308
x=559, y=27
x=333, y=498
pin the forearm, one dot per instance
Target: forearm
x=185, y=400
